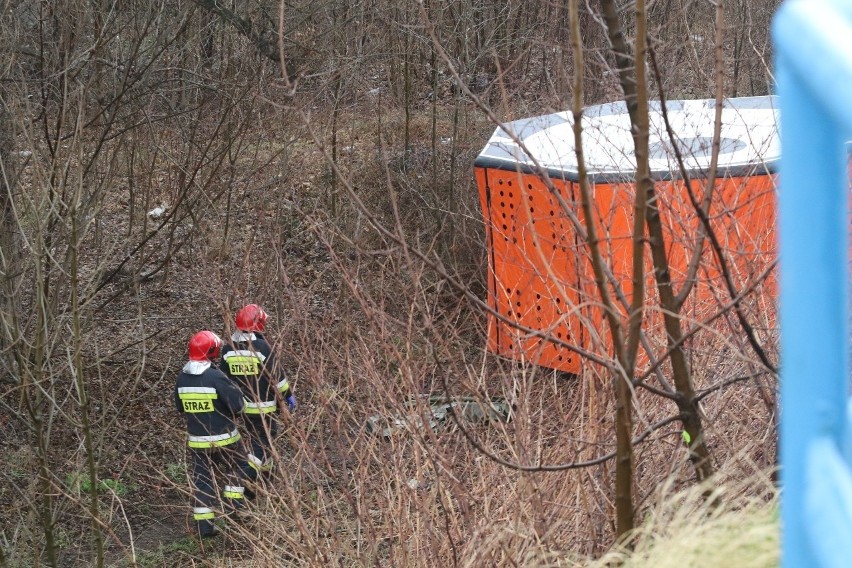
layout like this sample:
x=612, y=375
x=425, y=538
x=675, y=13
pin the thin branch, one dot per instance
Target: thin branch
x=726, y=383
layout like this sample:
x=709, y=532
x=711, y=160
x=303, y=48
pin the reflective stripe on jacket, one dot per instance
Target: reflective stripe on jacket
x=216, y=441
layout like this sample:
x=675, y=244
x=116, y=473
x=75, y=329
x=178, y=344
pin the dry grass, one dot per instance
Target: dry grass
x=684, y=530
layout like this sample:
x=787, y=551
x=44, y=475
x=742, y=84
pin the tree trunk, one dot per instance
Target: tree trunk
x=636, y=99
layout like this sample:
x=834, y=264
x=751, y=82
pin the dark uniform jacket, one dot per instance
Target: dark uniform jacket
x=209, y=402
x=250, y=362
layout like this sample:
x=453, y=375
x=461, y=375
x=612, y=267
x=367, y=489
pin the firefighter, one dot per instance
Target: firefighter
x=250, y=361
x=210, y=402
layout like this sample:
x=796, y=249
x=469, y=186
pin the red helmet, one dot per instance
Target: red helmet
x=204, y=346
x=251, y=318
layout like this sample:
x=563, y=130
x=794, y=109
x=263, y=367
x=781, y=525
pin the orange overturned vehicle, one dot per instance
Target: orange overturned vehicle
x=541, y=291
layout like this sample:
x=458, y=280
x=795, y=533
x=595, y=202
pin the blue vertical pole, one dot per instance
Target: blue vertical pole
x=814, y=340
x=814, y=73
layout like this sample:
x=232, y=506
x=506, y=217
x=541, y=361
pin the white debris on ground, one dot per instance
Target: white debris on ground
x=158, y=211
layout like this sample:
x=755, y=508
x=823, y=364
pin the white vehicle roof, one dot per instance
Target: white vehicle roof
x=749, y=141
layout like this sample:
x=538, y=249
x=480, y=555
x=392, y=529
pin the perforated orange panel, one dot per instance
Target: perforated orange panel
x=541, y=284
x=534, y=269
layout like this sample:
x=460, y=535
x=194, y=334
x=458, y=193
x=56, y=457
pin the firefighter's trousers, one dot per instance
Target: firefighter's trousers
x=217, y=484
x=261, y=430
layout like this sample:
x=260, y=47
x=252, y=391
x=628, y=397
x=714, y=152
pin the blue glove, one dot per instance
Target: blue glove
x=291, y=402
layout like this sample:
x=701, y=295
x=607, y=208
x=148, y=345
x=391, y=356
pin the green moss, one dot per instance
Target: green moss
x=176, y=472
x=80, y=483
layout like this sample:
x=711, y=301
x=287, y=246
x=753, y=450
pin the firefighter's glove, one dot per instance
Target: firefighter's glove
x=291, y=402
